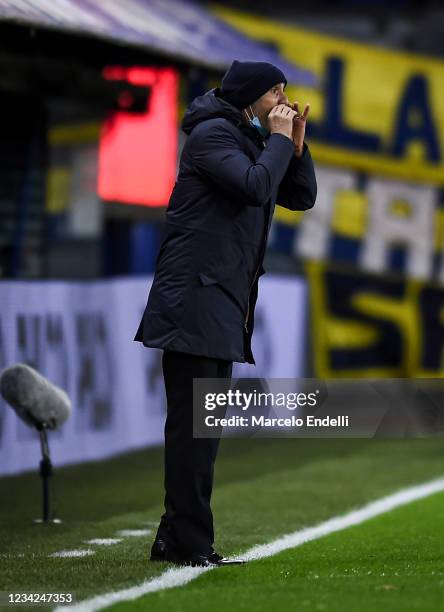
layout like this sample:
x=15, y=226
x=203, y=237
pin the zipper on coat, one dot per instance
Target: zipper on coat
x=249, y=293
x=251, y=286
x=255, y=274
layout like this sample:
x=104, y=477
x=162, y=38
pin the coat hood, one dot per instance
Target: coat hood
x=209, y=106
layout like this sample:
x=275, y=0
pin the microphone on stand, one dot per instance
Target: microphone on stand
x=39, y=404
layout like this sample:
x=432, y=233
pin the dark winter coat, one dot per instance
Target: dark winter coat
x=205, y=285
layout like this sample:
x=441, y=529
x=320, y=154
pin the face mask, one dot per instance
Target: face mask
x=254, y=122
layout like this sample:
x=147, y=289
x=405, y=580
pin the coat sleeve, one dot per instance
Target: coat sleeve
x=298, y=188
x=217, y=154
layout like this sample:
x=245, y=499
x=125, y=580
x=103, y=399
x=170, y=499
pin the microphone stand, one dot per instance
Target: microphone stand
x=45, y=473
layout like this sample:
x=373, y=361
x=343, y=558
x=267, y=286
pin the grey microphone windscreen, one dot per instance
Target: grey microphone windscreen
x=36, y=400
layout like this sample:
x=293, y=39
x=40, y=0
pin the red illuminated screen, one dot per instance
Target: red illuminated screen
x=138, y=153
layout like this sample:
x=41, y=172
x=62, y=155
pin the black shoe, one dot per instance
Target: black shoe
x=198, y=560
x=217, y=559
x=158, y=550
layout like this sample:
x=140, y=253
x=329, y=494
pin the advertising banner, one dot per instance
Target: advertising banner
x=80, y=336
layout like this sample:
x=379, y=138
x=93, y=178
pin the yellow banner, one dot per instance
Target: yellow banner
x=376, y=110
x=368, y=326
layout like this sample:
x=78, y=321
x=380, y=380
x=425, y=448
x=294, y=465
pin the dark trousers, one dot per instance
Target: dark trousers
x=187, y=523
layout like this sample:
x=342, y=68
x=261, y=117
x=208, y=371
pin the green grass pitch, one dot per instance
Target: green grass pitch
x=264, y=489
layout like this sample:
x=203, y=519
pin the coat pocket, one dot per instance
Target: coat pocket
x=232, y=282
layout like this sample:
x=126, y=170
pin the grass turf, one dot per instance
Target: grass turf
x=392, y=562
x=264, y=488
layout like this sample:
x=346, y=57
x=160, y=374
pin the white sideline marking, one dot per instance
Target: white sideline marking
x=133, y=533
x=176, y=577
x=73, y=553
x=103, y=541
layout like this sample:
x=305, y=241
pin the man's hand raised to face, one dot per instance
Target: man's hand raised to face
x=299, y=122
x=280, y=120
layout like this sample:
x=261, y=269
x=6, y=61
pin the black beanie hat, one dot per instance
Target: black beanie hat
x=245, y=82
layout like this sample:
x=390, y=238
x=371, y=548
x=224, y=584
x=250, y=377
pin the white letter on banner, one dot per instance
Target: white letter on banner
x=387, y=229
x=315, y=227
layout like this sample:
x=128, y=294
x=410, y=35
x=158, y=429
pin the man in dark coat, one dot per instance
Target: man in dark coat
x=244, y=153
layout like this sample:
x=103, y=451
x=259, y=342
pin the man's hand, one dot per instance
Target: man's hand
x=280, y=120
x=299, y=122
